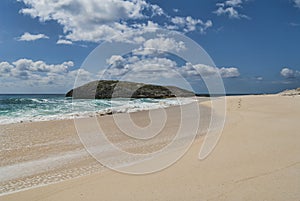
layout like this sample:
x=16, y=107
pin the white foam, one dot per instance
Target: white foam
x=83, y=109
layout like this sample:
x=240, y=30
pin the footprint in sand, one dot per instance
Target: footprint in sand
x=240, y=103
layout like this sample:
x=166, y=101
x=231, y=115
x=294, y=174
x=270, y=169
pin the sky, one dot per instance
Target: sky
x=253, y=45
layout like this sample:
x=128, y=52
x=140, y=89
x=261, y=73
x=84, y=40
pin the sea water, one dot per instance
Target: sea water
x=16, y=108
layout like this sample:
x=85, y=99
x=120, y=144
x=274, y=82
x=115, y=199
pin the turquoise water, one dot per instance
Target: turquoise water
x=42, y=107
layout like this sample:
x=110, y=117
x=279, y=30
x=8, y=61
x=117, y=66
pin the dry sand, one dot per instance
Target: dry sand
x=257, y=158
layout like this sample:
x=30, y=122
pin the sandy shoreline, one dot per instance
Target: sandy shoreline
x=40, y=153
x=257, y=158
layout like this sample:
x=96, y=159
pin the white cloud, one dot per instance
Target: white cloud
x=5, y=69
x=297, y=3
x=289, y=73
x=64, y=42
x=232, y=13
x=159, y=44
x=208, y=71
x=233, y=3
x=39, y=76
x=97, y=20
x=156, y=10
x=27, y=65
x=165, y=44
x=137, y=67
x=190, y=24
x=32, y=37
x=85, y=11
x=92, y=20
x=229, y=72
x=259, y=78
x=116, y=61
x=28, y=69
x=230, y=8
x=81, y=76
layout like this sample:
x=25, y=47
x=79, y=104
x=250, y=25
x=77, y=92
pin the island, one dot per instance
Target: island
x=106, y=89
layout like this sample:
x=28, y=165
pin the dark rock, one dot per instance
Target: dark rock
x=106, y=89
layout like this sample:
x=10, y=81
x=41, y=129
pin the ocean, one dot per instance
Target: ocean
x=16, y=108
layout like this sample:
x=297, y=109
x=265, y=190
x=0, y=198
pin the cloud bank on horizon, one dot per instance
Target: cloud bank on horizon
x=39, y=74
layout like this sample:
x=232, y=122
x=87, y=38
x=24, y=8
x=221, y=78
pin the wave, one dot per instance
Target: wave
x=15, y=110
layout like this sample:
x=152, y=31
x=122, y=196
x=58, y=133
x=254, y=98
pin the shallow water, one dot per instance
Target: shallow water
x=43, y=107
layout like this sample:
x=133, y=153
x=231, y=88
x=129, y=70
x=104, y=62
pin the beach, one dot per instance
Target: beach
x=257, y=158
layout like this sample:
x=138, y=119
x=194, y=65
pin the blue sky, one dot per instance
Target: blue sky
x=254, y=44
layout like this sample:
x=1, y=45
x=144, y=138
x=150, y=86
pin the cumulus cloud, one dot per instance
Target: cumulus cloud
x=26, y=69
x=154, y=67
x=32, y=37
x=138, y=68
x=208, y=71
x=98, y=20
x=116, y=61
x=165, y=44
x=64, y=42
x=190, y=24
x=230, y=8
x=5, y=69
x=160, y=44
x=289, y=73
x=27, y=65
x=25, y=72
x=234, y=3
x=229, y=72
x=92, y=20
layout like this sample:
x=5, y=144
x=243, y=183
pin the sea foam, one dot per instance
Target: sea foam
x=30, y=108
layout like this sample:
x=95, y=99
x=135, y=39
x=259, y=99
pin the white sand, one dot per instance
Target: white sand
x=257, y=158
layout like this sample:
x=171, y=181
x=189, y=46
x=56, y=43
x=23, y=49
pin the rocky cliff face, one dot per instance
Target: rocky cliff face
x=293, y=92
x=106, y=89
